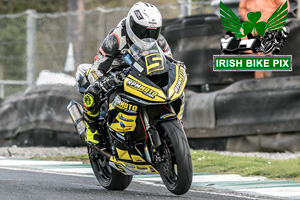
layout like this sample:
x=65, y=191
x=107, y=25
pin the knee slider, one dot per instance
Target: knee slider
x=81, y=77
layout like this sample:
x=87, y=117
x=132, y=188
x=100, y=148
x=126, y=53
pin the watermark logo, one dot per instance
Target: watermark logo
x=253, y=36
x=252, y=63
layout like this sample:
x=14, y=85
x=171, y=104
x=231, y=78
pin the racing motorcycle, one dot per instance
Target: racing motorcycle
x=140, y=123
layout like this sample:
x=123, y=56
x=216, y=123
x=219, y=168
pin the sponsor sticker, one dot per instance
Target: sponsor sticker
x=88, y=100
x=138, y=14
x=252, y=63
x=138, y=67
x=145, y=90
x=180, y=80
x=119, y=103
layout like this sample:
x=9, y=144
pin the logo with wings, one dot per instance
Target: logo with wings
x=262, y=36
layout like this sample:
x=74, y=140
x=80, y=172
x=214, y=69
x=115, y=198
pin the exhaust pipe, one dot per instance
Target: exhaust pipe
x=76, y=113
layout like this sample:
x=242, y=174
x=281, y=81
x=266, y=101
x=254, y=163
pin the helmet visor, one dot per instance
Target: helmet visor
x=144, y=32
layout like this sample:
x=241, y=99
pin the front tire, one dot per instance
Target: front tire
x=176, y=170
x=107, y=176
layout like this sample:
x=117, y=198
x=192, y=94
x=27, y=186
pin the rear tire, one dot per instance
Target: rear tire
x=176, y=171
x=107, y=176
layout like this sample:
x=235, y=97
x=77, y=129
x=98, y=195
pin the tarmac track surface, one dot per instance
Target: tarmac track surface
x=20, y=184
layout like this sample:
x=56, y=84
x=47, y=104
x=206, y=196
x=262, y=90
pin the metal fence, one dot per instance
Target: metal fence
x=31, y=42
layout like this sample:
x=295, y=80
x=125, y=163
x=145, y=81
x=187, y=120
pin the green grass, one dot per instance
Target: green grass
x=83, y=158
x=213, y=162
x=206, y=161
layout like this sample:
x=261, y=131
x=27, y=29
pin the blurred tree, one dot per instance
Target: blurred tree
x=43, y=6
x=13, y=48
x=48, y=6
x=90, y=4
x=298, y=11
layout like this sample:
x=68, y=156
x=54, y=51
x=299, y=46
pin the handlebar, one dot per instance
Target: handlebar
x=119, y=77
x=109, y=92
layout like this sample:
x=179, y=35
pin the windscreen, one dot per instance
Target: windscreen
x=148, y=57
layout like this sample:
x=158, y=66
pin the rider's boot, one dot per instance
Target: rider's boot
x=92, y=134
x=91, y=113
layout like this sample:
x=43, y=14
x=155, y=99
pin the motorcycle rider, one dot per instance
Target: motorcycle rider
x=143, y=21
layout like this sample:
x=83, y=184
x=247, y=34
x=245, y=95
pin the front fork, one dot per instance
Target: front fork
x=154, y=139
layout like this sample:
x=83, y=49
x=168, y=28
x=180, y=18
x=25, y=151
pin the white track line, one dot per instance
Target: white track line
x=52, y=168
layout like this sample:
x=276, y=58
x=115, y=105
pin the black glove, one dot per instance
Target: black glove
x=105, y=83
x=177, y=62
x=180, y=63
x=119, y=77
x=108, y=83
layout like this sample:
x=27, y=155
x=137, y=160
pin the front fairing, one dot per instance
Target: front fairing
x=152, y=76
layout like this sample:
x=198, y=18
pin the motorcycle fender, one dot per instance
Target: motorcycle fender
x=165, y=117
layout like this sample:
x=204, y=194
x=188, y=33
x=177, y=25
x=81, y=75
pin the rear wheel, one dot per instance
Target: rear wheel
x=107, y=176
x=176, y=169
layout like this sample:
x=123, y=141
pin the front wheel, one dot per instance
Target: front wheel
x=107, y=176
x=176, y=169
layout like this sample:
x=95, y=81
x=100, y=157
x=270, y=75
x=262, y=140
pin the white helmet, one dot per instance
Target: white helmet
x=143, y=21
